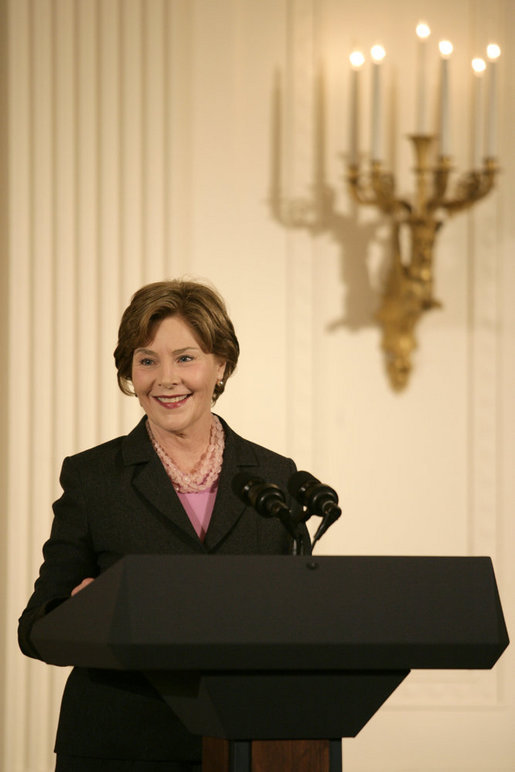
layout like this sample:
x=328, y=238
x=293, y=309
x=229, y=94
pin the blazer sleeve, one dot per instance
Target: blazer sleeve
x=68, y=556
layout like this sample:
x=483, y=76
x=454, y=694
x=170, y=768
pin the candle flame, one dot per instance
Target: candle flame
x=357, y=59
x=478, y=65
x=493, y=51
x=446, y=47
x=423, y=31
x=377, y=53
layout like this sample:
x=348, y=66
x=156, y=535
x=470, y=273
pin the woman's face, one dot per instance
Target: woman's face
x=174, y=379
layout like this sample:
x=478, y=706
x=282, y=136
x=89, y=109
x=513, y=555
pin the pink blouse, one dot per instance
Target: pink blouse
x=199, y=508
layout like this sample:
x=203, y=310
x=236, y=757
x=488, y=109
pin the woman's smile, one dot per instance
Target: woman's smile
x=171, y=403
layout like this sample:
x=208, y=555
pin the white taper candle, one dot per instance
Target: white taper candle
x=445, y=137
x=478, y=66
x=356, y=59
x=423, y=33
x=378, y=54
x=493, y=52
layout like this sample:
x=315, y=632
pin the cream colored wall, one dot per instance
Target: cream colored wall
x=145, y=142
x=3, y=343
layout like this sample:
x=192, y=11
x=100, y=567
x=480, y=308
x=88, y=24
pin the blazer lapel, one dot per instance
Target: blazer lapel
x=151, y=481
x=228, y=509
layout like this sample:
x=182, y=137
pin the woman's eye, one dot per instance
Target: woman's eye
x=146, y=362
x=186, y=358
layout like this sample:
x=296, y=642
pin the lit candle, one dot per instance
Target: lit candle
x=357, y=60
x=478, y=66
x=493, y=52
x=446, y=49
x=378, y=53
x=423, y=33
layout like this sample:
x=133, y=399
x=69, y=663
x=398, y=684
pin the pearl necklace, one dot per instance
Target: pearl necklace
x=208, y=468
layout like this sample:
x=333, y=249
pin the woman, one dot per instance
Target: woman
x=163, y=488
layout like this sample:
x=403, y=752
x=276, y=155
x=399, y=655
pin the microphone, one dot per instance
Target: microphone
x=317, y=498
x=266, y=498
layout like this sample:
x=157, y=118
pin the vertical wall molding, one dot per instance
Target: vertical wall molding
x=4, y=344
x=297, y=156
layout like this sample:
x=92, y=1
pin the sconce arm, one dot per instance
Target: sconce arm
x=472, y=187
x=375, y=188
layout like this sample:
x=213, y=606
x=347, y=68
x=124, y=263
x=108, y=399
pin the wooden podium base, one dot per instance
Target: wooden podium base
x=271, y=755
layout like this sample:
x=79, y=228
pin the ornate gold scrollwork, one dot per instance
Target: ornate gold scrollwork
x=409, y=287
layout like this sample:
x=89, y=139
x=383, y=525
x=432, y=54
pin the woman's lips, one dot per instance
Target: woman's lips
x=172, y=402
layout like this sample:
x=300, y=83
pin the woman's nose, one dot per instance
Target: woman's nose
x=168, y=377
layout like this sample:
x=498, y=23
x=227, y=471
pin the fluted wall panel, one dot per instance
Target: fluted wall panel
x=157, y=138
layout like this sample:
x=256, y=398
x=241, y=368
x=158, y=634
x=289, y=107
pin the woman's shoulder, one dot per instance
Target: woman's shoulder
x=110, y=449
x=253, y=451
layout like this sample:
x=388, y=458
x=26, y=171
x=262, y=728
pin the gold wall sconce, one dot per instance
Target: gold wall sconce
x=409, y=290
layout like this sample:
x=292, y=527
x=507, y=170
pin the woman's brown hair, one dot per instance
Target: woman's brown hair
x=198, y=304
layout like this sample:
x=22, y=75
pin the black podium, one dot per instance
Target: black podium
x=261, y=648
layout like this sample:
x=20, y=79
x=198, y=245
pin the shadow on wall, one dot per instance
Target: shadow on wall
x=317, y=215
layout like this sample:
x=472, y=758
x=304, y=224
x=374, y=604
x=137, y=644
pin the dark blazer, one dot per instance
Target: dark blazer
x=118, y=500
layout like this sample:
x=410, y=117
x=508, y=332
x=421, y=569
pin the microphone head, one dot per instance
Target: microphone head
x=266, y=498
x=312, y=494
x=299, y=484
x=243, y=482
